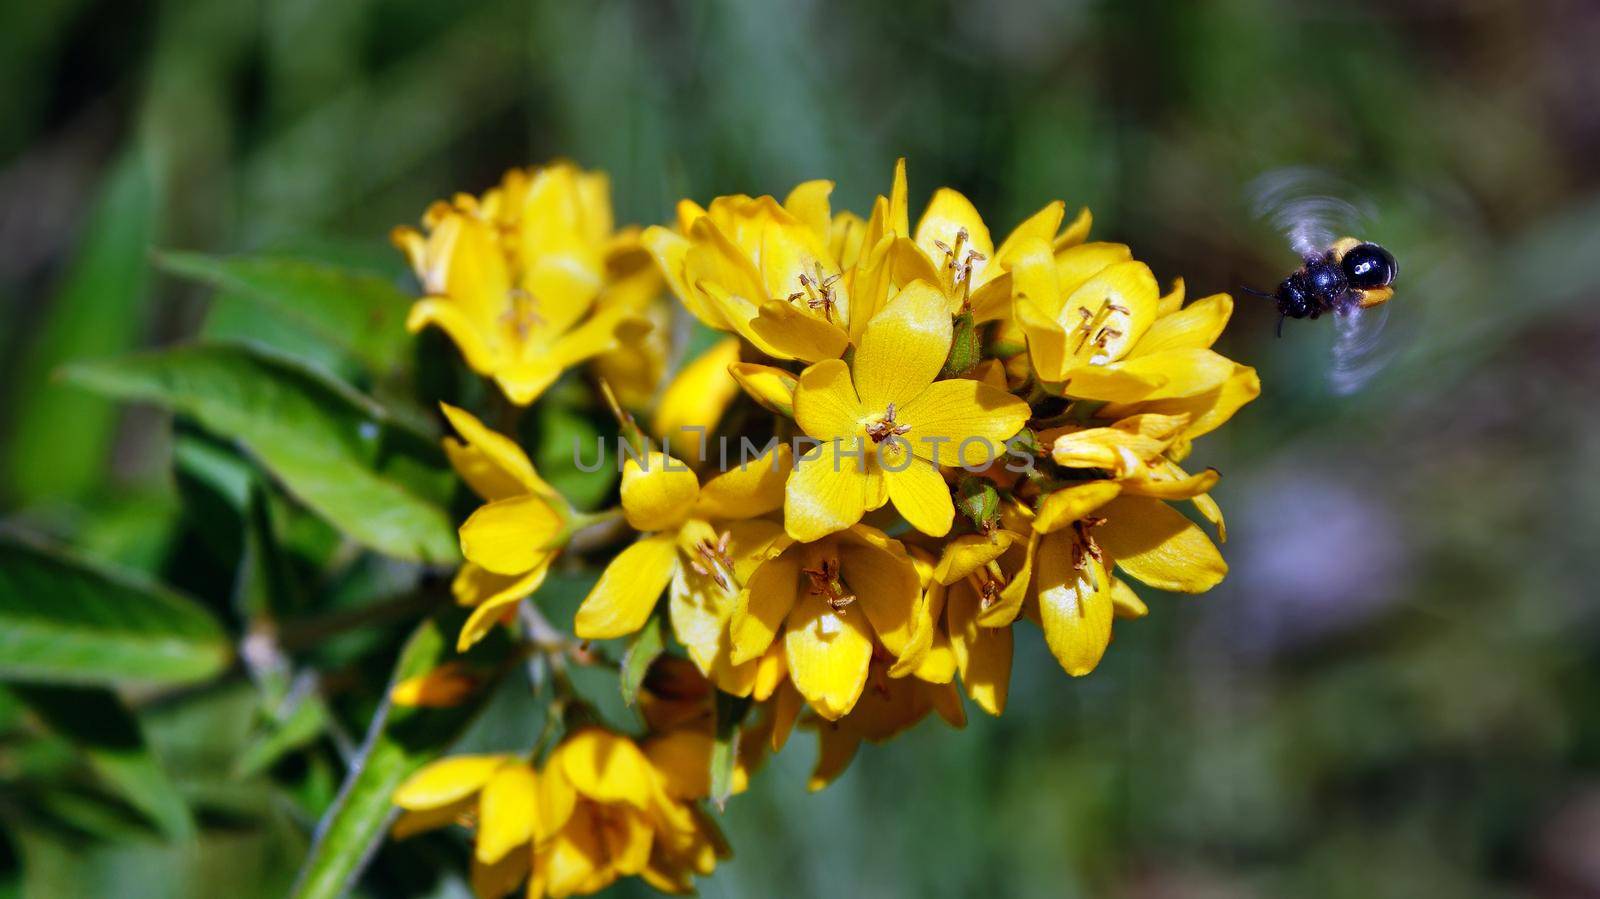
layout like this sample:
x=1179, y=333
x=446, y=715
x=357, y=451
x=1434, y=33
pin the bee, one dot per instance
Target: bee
x=1351, y=279
x=1348, y=276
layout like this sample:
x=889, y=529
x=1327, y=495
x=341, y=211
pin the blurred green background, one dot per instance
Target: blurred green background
x=1395, y=693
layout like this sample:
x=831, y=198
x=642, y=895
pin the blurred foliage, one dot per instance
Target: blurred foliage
x=1397, y=692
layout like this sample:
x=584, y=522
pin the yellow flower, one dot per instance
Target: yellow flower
x=529, y=280
x=890, y=707
x=837, y=602
x=682, y=546
x=955, y=251
x=598, y=810
x=887, y=426
x=510, y=542
x=1091, y=315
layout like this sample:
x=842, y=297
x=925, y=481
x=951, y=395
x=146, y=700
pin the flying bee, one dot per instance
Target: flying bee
x=1349, y=275
x=1349, y=278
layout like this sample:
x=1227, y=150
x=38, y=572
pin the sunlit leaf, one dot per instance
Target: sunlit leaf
x=336, y=451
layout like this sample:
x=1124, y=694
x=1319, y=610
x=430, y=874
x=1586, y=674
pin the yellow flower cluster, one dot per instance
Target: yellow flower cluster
x=967, y=436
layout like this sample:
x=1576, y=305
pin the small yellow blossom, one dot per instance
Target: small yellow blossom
x=529, y=279
x=510, y=542
x=837, y=602
x=887, y=425
x=699, y=541
x=599, y=809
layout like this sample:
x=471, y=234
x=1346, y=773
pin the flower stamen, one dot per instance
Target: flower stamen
x=959, y=266
x=885, y=427
x=714, y=561
x=522, y=313
x=817, y=291
x=826, y=584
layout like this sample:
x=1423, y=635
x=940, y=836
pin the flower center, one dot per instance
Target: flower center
x=522, y=313
x=714, y=561
x=816, y=289
x=825, y=583
x=884, y=428
x=958, y=266
x=1084, y=548
x=990, y=581
x=1094, y=329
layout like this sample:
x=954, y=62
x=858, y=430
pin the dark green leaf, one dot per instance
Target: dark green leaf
x=643, y=650
x=299, y=727
x=336, y=451
x=61, y=438
x=400, y=741
x=358, y=311
x=66, y=620
x=725, y=747
x=109, y=737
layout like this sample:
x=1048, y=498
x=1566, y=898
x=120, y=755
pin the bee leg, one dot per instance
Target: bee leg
x=1280, y=325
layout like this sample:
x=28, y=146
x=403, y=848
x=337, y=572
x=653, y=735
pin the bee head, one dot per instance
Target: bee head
x=1368, y=268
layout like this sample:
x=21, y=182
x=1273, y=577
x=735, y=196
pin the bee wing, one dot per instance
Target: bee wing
x=1359, y=350
x=1305, y=205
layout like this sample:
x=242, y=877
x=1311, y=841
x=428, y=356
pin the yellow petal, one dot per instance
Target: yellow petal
x=491, y=881
x=786, y=707
x=607, y=767
x=1077, y=232
x=447, y=781
x=1181, y=486
x=1063, y=507
x=1174, y=374
x=920, y=494
x=508, y=812
x=1154, y=543
x=885, y=584
x=1207, y=411
x=969, y=552
x=983, y=654
x=1042, y=225
x=753, y=487
x=511, y=536
x=825, y=403
x=808, y=202
x=948, y=213
x=411, y=823
x=683, y=759
x=772, y=387
x=1076, y=265
x=903, y=348
x=836, y=746
x=784, y=330
x=1172, y=300
x=763, y=605
x=695, y=399
x=1197, y=326
x=670, y=251
x=899, y=220
x=492, y=597
x=964, y=422
x=828, y=653
x=1125, y=602
x=873, y=278
x=1074, y=606
x=659, y=493
x=771, y=671
x=829, y=490
x=557, y=798
x=628, y=589
x=1121, y=298
x=492, y=464
x=444, y=687
x=461, y=329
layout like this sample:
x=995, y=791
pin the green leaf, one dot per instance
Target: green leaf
x=358, y=311
x=336, y=451
x=65, y=619
x=109, y=737
x=61, y=437
x=400, y=741
x=301, y=725
x=645, y=647
x=725, y=745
